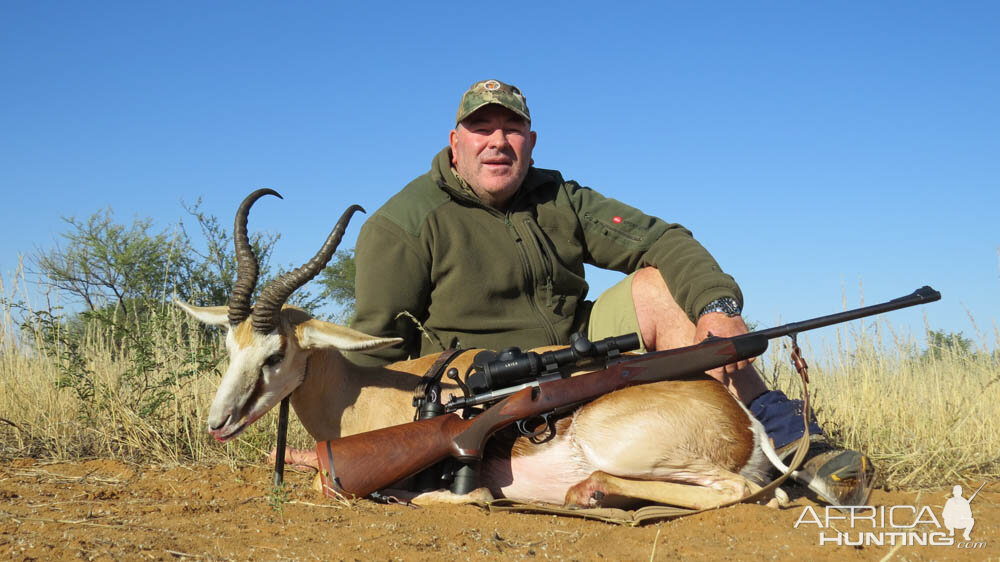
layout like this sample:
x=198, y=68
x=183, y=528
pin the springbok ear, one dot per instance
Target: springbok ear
x=211, y=315
x=318, y=334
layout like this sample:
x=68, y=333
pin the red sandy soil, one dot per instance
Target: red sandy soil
x=107, y=510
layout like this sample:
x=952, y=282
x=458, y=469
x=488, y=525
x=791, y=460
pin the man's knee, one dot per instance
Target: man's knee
x=648, y=284
x=663, y=324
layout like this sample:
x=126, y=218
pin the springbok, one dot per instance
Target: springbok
x=682, y=442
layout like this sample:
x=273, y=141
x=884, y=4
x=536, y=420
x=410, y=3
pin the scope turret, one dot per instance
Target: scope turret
x=511, y=366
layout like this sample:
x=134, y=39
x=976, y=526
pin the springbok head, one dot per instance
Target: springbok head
x=268, y=343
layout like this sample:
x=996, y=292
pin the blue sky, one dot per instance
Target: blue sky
x=811, y=147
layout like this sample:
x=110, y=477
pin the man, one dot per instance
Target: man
x=485, y=250
x=957, y=513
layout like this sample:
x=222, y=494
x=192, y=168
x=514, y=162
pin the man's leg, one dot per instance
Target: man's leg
x=642, y=303
x=664, y=325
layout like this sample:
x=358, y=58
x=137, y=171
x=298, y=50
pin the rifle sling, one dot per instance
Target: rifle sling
x=433, y=376
x=331, y=475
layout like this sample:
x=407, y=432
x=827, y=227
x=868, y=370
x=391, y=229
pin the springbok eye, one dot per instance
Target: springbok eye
x=274, y=359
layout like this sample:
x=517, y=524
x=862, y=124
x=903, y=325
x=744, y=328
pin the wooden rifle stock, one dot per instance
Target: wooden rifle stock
x=364, y=463
x=361, y=464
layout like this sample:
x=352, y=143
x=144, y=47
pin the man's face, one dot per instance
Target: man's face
x=491, y=150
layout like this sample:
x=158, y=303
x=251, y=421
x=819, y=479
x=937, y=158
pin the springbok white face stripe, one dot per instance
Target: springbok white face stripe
x=240, y=378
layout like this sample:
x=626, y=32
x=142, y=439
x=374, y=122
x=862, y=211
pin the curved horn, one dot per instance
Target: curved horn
x=246, y=261
x=277, y=292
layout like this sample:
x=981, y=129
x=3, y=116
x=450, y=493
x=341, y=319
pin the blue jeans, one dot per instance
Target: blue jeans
x=781, y=417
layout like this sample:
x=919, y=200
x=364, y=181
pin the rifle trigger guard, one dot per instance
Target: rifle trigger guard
x=533, y=434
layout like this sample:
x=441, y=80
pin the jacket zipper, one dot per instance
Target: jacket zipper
x=525, y=259
x=544, y=258
x=530, y=278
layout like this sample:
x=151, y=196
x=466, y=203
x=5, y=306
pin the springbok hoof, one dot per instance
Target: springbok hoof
x=779, y=500
x=587, y=493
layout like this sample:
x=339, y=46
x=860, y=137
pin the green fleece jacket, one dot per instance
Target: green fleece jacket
x=474, y=276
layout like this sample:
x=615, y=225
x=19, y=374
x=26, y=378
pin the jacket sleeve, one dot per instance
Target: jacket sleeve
x=622, y=238
x=393, y=276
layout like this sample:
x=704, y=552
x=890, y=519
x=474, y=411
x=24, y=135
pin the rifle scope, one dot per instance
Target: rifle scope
x=512, y=366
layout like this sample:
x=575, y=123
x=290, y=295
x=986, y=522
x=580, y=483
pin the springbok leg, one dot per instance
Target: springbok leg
x=602, y=488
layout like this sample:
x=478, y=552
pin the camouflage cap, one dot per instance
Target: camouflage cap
x=485, y=92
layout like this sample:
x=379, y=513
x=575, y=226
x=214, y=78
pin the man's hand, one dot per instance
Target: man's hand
x=718, y=324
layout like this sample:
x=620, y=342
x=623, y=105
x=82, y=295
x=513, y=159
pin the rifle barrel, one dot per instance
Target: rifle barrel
x=922, y=295
x=973, y=496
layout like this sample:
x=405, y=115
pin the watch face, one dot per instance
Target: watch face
x=726, y=305
x=730, y=307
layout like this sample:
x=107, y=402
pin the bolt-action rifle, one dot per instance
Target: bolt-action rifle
x=364, y=463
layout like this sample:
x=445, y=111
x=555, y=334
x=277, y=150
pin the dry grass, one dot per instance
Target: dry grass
x=925, y=420
x=41, y=420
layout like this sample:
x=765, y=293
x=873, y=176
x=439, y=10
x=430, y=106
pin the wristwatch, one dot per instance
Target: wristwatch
x=726, y=305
